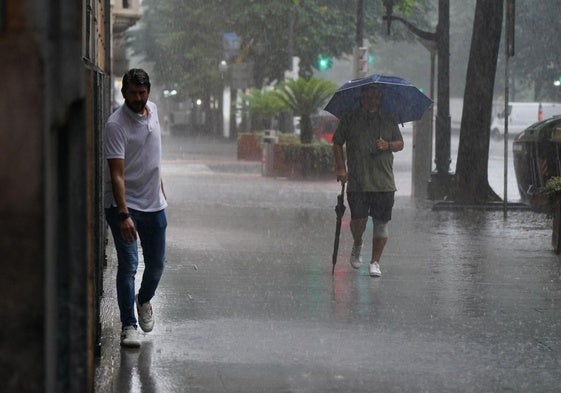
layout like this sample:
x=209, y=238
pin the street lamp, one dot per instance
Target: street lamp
x=224, y=102
x=441, y=180
x=223, y=67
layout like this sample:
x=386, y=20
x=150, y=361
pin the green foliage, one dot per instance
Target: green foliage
x=537, y=60
x=318, y=157
x=288, y=138
x=175, y=36
x=283, y=137
x=553, y=188
x=321, y=158
x=550, y=196
x=257, y=134
x=184, y=39
x=263, y=102
x=304, y=96
x=315, y=158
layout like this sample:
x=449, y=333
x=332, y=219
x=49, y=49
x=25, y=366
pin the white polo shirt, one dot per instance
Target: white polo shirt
x=136, y=139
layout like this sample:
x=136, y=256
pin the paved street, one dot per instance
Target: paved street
x=469, y=301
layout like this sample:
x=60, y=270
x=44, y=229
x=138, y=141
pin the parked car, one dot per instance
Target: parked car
x=536, y=158
x=522, y=115
x=324, y=126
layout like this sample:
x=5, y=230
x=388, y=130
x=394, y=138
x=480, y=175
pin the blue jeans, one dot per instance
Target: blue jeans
x=151, y=229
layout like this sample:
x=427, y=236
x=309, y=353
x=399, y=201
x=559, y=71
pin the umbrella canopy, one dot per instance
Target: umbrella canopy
x=400, y=98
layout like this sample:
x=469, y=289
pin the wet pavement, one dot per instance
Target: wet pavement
x=469, y=300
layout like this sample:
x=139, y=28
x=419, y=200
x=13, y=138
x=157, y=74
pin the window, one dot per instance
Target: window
x=2, y=16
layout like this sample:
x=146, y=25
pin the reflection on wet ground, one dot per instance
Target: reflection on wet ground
x=134, y=371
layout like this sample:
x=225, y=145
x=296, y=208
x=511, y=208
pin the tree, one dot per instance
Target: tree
x=537, y=60
x=304, y=96
x=472, y=185
x=184, y=39
x=318, y=28
x=263, y=105
x=179, y=39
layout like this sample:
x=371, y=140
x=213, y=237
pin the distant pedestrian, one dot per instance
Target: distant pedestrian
x=135, y=201
x=370, y=137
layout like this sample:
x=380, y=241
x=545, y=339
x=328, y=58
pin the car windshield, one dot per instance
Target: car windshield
x=545, y=128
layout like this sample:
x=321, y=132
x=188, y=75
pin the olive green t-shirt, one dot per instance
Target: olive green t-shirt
x=369, y=169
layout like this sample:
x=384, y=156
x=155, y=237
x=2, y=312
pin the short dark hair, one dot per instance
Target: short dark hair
x=136, y=76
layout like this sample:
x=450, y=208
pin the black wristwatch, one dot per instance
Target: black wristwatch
x=123, y=216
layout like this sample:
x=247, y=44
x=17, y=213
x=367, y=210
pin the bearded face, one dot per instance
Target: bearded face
x=136, y=97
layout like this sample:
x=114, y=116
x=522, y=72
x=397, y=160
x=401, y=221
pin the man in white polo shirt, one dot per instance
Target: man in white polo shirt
x=135, y=201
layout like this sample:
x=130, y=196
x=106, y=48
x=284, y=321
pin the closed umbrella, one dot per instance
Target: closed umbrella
x=339, y=211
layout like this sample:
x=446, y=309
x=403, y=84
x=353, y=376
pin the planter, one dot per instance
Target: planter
x=249, y=147
x=284, y=166
x=300, y=161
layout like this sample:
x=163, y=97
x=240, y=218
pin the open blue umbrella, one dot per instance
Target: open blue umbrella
x=400, y=98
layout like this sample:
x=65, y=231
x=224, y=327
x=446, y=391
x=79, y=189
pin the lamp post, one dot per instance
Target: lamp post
x=224, y=106
x=439, y=42
x=223, y=67
x=360, y=51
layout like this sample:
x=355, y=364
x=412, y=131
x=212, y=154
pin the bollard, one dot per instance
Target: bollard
x=268, y=156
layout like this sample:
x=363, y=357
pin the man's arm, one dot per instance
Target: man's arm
x=117, y=172
x=340, y=167
x=394, y=146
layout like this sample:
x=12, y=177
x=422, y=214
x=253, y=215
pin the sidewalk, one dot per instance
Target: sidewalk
x=469, y=301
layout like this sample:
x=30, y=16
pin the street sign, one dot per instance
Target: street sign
x=360, y=61
x=231, y=44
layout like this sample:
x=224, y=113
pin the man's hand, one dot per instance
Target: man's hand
x=128, y=231
x=339, y=157
x=342, y=175
x=382, y=144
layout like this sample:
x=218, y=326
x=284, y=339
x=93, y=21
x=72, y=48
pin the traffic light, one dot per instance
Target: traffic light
x=323, y=63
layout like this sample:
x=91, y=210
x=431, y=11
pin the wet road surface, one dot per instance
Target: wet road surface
x=468, y=302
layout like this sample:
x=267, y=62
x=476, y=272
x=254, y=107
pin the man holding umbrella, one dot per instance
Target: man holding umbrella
x=371, y=136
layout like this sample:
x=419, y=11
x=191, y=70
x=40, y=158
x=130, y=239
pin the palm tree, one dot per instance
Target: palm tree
x=304, y=96
x=264, y=105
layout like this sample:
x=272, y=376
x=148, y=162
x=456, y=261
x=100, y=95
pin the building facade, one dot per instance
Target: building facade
x=57, y=66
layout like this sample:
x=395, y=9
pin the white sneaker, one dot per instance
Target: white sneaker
x=355, y=259
x=375, y=269
x=129, y=337
x=145, y=315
